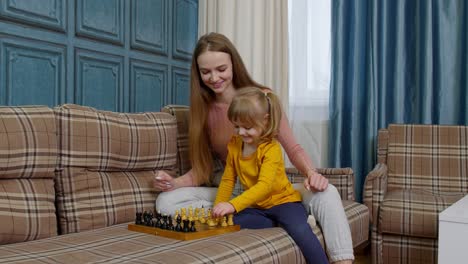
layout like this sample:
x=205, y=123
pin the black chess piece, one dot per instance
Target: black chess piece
x=164, y=222
x=192, y=226
x=186, y=227
x=158, y=220
x=138, y=220
x=178, y=228
x=145, y=218
x=149, y=221
x=170, y=226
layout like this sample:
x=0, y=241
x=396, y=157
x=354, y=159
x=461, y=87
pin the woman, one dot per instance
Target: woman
x=217, y=71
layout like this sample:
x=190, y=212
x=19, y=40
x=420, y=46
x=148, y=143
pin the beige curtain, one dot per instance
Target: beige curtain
x=259, y=30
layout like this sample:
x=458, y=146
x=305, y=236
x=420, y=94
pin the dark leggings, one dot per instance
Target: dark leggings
x=292, y=217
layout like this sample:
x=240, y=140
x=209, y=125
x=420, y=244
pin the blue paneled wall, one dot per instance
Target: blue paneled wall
x=117, y=55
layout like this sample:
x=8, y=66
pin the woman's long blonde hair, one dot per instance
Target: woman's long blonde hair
x=201, y=98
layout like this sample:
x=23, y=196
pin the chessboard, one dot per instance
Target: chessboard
x=191, y=225
x=203, y=231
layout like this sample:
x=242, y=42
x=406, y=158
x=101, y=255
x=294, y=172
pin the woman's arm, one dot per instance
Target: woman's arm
x=299, y=158
x=165, y=182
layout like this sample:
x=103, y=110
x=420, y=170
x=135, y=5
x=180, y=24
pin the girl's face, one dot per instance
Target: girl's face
x=216, y=70
x=250, y=134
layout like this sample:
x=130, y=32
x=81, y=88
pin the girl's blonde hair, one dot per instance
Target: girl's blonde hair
x=252, y=106
x=201, y=98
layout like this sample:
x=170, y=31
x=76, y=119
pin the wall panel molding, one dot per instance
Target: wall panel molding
x=185, y=15
x=47, y=14
x=148, y=86
x=99, y=80
x=103, y=20
x=31, y=73
x=149, y=25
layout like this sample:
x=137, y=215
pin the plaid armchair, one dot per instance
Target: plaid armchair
x=421, y=170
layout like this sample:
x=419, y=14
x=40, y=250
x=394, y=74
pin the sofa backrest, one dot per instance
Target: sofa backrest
x=430, y=157
x=107, y=162
x=181, y=113
x=28, y=158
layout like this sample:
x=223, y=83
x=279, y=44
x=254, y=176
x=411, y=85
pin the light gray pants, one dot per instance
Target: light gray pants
x=325, y=206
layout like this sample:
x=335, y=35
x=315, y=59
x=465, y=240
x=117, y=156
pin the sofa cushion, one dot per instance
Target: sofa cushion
x=414, y=212
x=28, y=145
x=28, y=158
x=107, y=163
x=116, y=244
x=27, y=210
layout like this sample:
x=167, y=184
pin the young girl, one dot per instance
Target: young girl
x=217, y=73
x=256, y=158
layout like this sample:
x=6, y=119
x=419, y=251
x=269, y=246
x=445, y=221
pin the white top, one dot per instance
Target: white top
x=457, y=212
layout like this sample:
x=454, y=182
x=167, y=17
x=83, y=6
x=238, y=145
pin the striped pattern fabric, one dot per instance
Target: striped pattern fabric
x=118, y=245
x=107, y=163
x=28, y=142
x=181, y=113
x=414, y=212
x=341, y=178
x=382, y=146
x=431, y=157
x=28, y=157
x=422, y=170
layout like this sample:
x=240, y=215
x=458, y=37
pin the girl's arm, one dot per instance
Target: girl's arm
x=271, y=160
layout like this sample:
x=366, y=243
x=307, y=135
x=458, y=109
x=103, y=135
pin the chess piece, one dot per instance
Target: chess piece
x=185, y=227
x=196, y=214
x=158, y=220
x=138, y=218
x=178, y=228
x=192, y=227
x=164, y=222
x=211, y=222
x=170, y=226
x=230, y=221
x=224, y=222
x=202, y=217
x=150, y=219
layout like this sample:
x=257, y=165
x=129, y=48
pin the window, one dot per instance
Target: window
x=309, y=75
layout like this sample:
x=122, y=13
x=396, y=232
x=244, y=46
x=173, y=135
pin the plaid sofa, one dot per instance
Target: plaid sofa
x=73, y=177
x=421, y=170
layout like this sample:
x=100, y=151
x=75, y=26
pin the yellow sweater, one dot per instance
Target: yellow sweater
x=262, y=174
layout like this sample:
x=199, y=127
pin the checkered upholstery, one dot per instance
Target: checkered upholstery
x=341, y=178
x=116, y=244
x=28, y=157
x=107, y=163
x=422, y=170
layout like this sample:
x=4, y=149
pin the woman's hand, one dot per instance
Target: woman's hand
x=315, y=181
x=222, y=209
x=163, y=182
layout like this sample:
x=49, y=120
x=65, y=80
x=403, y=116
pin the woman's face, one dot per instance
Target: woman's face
x=216, y=70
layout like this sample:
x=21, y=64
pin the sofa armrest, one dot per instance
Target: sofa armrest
x=375, y=188
x=341, y=178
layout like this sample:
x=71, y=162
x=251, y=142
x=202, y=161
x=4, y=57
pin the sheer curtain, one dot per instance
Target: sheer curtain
x=258, y=29
x=309, y=75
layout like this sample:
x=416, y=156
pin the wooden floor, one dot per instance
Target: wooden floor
x=362, y=256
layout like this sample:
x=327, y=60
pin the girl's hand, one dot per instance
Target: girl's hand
x=163, y=182
x=315, y=182
x=222, y=209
